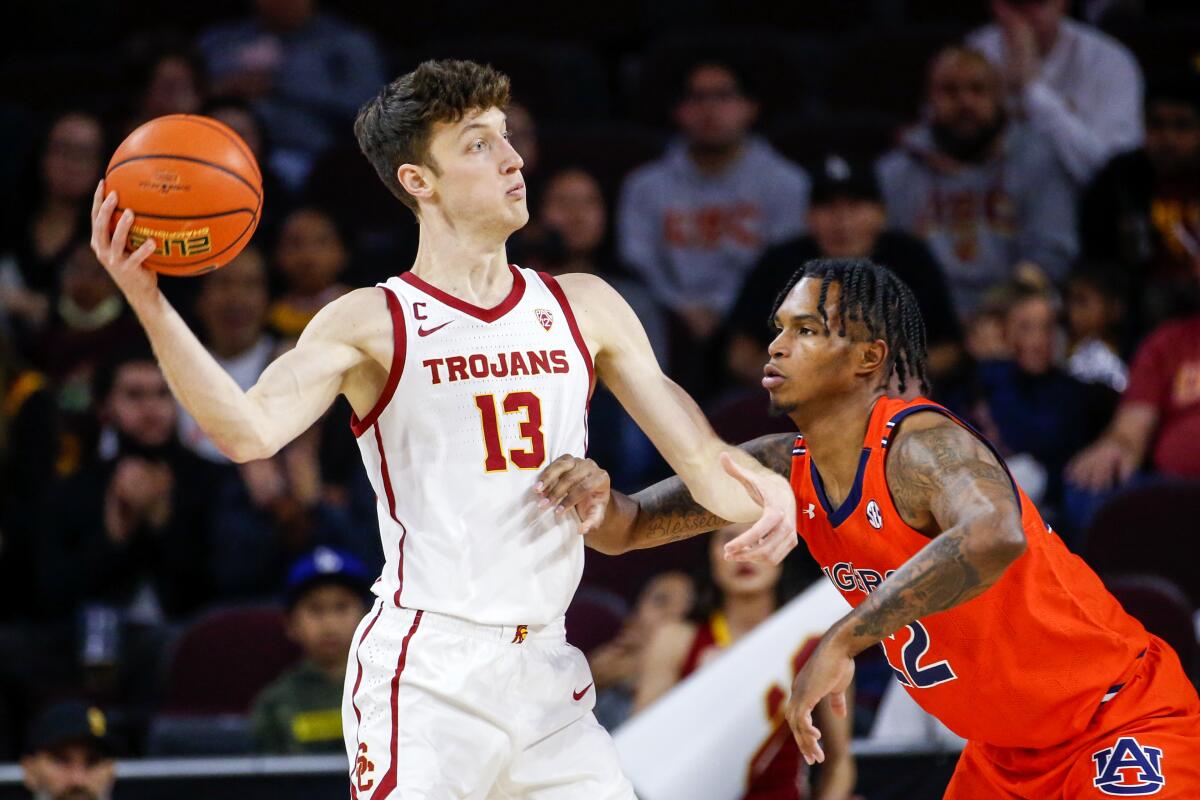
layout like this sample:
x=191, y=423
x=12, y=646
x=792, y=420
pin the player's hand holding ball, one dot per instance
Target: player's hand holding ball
x=182, y=195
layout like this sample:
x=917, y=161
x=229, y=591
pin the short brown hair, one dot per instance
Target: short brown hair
x=394, y=127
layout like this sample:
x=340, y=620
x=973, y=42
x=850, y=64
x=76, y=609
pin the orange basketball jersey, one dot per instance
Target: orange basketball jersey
x=1025, y=664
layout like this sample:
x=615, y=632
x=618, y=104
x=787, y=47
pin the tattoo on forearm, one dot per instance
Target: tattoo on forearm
x=667, y=512
x=948, y=474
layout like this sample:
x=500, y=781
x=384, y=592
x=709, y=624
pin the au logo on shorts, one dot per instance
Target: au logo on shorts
x=1129, y=769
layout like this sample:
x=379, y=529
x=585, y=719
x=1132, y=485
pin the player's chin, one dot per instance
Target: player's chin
x=779, y=405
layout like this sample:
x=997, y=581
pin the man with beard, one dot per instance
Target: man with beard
x=985, y=193
x=69, y=755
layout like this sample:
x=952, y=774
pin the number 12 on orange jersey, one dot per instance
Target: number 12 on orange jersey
x=530, y=428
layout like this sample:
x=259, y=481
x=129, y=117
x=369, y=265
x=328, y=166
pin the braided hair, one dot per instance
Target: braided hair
x=872, y=295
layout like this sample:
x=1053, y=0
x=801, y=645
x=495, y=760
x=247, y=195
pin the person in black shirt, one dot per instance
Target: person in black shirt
x=846, y=219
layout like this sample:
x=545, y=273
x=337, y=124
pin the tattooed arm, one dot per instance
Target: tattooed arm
x=947, y=484
x=660, y=514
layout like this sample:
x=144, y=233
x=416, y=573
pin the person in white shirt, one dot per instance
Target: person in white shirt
x=1078, y=86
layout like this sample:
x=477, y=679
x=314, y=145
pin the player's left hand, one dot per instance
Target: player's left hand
x=577, y=483
x=827, y=673
x=773, y=536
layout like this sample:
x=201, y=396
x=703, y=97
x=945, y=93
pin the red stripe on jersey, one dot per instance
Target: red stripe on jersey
x=573, y=326
x=483, y=314
x=391, y=499
x=388, y=784
x=399, y=348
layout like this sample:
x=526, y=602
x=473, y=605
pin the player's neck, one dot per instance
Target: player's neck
x=474, y=269
x=744, y=612
x=834, y=429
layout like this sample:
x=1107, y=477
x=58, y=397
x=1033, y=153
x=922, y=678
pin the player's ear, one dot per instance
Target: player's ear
x=415, y=180
x=872, y=355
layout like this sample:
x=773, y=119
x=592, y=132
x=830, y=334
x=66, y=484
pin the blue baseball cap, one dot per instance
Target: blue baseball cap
x=323, y=566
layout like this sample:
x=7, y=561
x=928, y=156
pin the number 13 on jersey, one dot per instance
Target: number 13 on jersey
x=530, y=456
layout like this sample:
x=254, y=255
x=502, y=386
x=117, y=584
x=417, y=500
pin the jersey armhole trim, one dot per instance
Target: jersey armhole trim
x=573, y=326
x=399, y=347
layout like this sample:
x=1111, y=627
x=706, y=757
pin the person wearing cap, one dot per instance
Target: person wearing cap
x=327, y=596
x=846, y=219
x=1075, y=84
x=69, y=754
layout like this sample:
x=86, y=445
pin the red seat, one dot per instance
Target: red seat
x=225, y=659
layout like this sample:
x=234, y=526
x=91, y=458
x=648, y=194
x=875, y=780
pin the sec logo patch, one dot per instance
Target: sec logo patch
x=874, y=516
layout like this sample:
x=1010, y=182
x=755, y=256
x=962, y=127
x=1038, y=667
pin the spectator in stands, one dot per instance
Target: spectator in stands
x=301, y=712
x=245, y=121
x=1144, y=207
x=1077, y=86
x=846, y=219
x=46, y=217
x=736, y=599
x=89, y=321
x=1095, y=309
x=523, y=135
x=306, y=71
x=692, y=223
x=169, y=80
x=667, y=597
x=69, y=754
x=129, y=530
x=1159, y=417
x=1028, y=406
x=985, y=193
x=311, y=255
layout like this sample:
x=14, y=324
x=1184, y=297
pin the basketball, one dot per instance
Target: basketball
x=194, y=187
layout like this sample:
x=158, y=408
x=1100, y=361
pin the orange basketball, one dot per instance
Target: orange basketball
x=194, y=187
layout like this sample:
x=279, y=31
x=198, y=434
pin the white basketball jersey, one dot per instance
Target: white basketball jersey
x=477, y=403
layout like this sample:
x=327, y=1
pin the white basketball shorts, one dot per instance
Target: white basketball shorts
x=438, y=708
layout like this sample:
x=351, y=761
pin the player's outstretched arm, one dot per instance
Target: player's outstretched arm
x=293, y=391
x=723, y=479
x=944, y=481
x=659, y=514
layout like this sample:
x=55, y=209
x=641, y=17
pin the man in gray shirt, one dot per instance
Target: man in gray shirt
x=692, y=224
x=988, y=195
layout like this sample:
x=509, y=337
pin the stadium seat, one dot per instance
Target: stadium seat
x=1147, y=529
x=594, y=617
x=1164, y=609
x=224, y=660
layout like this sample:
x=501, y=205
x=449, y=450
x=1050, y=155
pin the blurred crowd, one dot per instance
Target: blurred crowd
x=1030, y=168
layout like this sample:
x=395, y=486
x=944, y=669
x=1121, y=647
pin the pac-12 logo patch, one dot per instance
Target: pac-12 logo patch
x=1129, y=769
x=544, y=317
x=874, y=515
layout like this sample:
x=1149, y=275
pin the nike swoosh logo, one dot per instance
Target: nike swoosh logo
x=435, y=329
x=581, y=692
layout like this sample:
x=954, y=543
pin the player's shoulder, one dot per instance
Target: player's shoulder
x=928, y=439
x=358, y=314
x=588, y=293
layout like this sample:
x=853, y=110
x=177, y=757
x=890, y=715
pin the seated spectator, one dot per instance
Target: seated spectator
x=311, y=254
x=984, y=193
x=667, y=597
x=133, y=535
x=1144, y=207
x=1159, y=417
x=692, y=224
x=169, y=79
x=305, y=70
x=1095, y=312
x=737, y=598
x=69, y=754
x=1077, y=86
x=846, y=219
x=327, y=595
x=45, y=217
x=1036, y=414
x=241, y=117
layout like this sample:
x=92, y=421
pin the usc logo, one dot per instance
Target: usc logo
x=522, y=632
x=364, y=769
